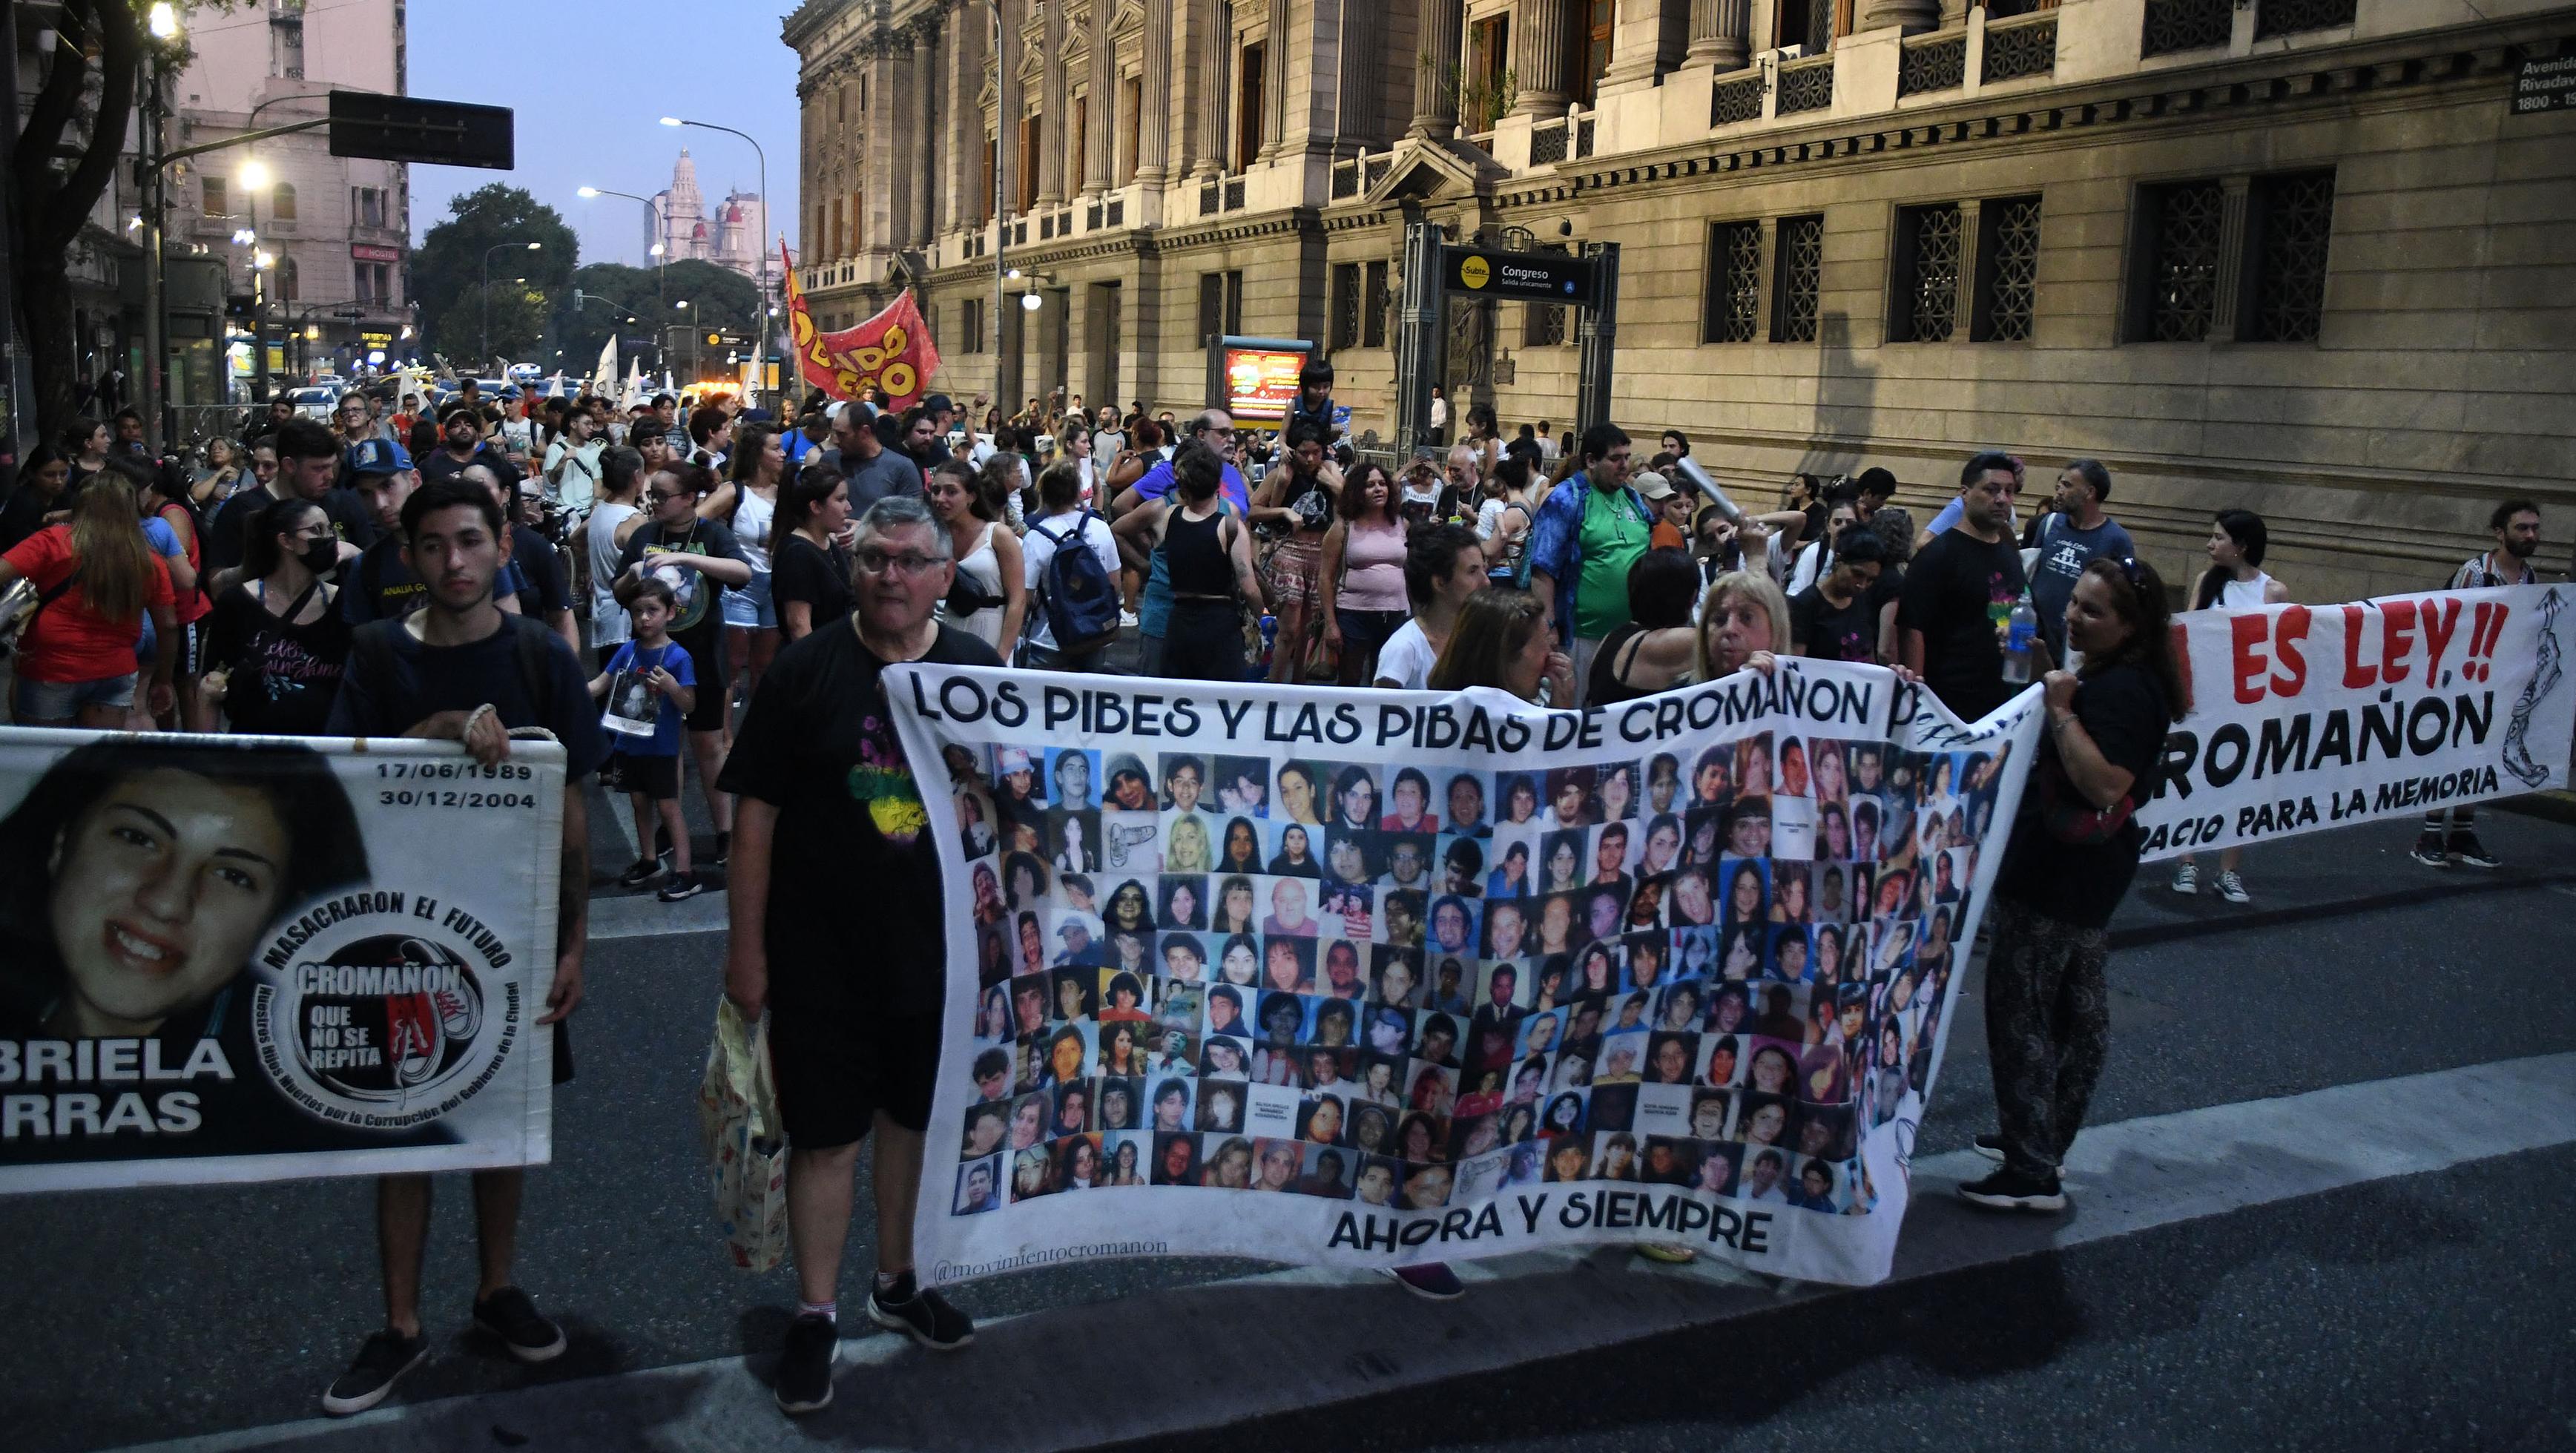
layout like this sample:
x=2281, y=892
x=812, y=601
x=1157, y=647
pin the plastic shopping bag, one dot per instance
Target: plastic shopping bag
x=746, y=1148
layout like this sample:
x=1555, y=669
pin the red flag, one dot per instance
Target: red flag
x=891, y=351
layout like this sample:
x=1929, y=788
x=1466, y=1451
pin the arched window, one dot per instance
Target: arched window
x=281, y=203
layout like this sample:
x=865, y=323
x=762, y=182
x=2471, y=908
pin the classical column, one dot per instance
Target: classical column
x=1274, y=81
x=928, y=116
x=1100, y=116
x=1912, y=15
x=1435, y=71
x=876, y=173
x=1055, y=118
x=1647, y=43
x=902, y=182
x=1216, y=56
x=961, y=66
x=1717, y=33
x=1538, y=57
x=1154, y=66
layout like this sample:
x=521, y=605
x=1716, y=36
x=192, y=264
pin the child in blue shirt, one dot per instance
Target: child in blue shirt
x=649, y=686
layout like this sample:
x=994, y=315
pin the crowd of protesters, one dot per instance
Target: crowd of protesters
x=710, y=593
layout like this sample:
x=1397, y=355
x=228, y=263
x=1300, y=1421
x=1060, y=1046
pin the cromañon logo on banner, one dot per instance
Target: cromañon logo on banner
x=2310, y=717
x=1369, y=980
x=240, y=958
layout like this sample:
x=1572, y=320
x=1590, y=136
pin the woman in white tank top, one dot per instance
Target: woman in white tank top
x=747, y=504
x=2234, y=581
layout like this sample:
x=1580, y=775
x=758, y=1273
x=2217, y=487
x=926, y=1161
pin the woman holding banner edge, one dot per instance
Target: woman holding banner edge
x=2073, y=852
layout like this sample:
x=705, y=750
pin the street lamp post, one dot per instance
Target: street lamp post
x=487, y=293
x=760, y=309
x=657, y=251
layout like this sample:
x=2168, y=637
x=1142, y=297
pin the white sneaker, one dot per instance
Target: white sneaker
x=1128, y=618
x=2232, y=888
x=2186, y=879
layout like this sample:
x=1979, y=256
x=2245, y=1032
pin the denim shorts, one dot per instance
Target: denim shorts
x=750, y=605
x=63, y=700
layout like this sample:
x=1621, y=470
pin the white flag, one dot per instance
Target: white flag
x=603, y=379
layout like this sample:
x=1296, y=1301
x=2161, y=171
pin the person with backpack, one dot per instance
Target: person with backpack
x=460, y=669
x=277, y=643
x=1071, y=562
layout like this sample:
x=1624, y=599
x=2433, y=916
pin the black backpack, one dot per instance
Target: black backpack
x=1081, y=600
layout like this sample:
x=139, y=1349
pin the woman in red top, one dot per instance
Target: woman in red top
x=166, y=498
x=98, y=576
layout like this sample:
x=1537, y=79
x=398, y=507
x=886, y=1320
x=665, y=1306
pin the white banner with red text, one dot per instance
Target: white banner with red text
x=1392, y=977
x=2311, y=717
x=254, y=958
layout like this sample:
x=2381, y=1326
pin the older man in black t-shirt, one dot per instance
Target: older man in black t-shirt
x=827, y=799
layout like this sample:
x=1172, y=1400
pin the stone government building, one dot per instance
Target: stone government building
x=2295, y=255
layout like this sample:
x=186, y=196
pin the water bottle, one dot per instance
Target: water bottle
x=2020, y=633
x=1269, y=639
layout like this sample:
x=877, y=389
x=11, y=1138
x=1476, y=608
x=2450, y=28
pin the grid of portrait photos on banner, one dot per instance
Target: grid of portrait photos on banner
x=1418, y=986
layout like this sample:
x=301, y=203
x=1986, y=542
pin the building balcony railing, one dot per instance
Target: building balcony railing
x=2024, y=46
x=1929, y=63
x=1806, y=86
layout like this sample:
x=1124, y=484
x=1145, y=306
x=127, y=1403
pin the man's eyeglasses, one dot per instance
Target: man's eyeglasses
x=878, y=562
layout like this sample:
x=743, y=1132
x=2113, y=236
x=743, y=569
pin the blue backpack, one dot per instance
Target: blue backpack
x=1081, y=600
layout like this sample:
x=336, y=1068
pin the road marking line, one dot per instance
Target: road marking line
x=1226, y=1352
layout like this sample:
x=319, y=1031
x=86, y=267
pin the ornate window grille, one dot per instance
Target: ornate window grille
x=2290, y=17
x=2015, y=51
x=1733, y=101
x=1547, y=143
x=1583, y=137
x=1346, y=179
x=1928, y=258
x=2009, y=261
x=2189, y=223
x=1542, y=325
x=2295, y=214
x=2180, y=25
x=1118, y=211
x=1377, y=166
x=1346, y=305
x=1938, y=65
x=1207, y=199
x=1820, y=26
x=1799, y=283
x=1234, y=194
x=1734, y=310
x=1806, y=87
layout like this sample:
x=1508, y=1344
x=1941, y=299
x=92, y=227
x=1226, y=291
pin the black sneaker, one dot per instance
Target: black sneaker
x=724, y=850
x=2006, y=1190
x=644, y=871
x=2428, y=851
x=805, y=1373
x=510, y=1315
x=2464, y=850
x=1990, y=1146
x=384, y=1358
x=1432, y=1279
x=661, y=842
x=922, y=1315
x=682, y=885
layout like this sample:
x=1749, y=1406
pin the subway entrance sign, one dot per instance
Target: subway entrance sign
x=1522, y=276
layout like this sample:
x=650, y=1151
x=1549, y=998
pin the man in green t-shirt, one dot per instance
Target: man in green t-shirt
x=1590, y=530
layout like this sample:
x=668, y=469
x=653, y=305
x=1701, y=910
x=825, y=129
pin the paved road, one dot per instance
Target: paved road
x=2417, y=1298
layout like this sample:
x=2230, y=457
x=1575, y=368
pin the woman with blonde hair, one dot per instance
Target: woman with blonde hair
x=1743, y=620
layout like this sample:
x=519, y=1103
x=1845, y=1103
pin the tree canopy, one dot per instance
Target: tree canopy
x=447, y=272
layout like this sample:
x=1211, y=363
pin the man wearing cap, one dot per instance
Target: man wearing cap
x=461, y=433
x=1672, y=510
x=1081, y=945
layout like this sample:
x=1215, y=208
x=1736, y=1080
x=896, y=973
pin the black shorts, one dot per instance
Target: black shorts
x=656, y=777
x=191, y=657
x=707, y=655
x=836, y=1070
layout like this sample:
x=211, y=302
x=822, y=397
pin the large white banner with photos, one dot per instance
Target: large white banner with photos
x=1395, y=977
x=243, y=958
x=2311, y=717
